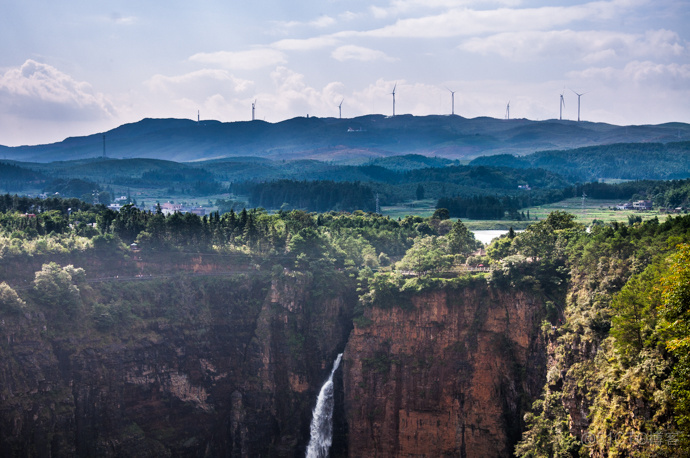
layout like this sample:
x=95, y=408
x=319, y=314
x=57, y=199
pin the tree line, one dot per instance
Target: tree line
x=317, y=196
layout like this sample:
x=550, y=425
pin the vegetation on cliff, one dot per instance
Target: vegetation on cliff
x=617, y=374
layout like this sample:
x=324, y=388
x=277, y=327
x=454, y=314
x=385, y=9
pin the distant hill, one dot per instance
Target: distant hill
x=638, y=161
x=350, y=141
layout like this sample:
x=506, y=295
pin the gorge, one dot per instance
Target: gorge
x=231, y=366
x=106, y=351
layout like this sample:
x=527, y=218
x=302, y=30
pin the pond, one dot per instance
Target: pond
x=487, y=236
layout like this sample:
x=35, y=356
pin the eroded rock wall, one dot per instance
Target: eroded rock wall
x=450, y=376
x=208, y=367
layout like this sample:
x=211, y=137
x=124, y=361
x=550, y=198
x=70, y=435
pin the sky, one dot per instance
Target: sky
x=78, y=67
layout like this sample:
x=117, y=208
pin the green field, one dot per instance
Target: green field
x=601, y=210
x=424, y=208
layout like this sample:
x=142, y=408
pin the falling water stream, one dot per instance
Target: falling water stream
x=322, y=419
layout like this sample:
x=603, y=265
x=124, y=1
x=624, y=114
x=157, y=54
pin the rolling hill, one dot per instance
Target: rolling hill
x=351, y=141
x=628, y=161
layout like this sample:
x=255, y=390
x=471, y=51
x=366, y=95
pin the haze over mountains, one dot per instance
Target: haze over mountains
x=343, y=140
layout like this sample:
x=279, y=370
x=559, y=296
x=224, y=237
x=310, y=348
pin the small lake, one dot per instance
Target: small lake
x=487, y=236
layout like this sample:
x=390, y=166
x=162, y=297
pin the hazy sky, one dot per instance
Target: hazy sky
x=75, y=67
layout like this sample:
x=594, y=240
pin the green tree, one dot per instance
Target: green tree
x=539, y=240
x=635, y=309
x=428, y=254
x=309, y=243
x=441, y=213
x=500, y=248
x=56, y=287
x=676, y=312
x=354, y=249
x=420, y=192
x=9, y=300
x=104, y=198
x=461, y=240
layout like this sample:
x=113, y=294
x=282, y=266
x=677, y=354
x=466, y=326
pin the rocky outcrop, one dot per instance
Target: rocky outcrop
x=450, y=376
x=191, y=367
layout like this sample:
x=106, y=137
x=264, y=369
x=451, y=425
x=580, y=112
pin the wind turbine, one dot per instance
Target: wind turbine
x=508, y=110
x=340, y=109
x=452, y=98
x=393, y=93
x=578, y=103
x=562, y=104
x=253, y=109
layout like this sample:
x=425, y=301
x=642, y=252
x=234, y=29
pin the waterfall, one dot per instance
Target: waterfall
x=322, y=419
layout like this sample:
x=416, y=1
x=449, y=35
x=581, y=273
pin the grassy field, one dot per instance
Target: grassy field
x=602, y=210
x=422, y=208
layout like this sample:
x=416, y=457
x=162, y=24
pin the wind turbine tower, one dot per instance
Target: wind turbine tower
x=508, y=110
x=578, y=103
x=253, y=109
x=340, y=109
x=562, y=104
x=393, y=93
x=452, y=101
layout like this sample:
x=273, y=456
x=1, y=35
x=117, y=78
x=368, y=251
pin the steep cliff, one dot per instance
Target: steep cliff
x=448, y=374
x=183, y=367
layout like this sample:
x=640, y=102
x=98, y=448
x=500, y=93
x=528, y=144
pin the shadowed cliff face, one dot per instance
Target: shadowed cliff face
x=452, y=376
x=232, y=367
x=212, y=367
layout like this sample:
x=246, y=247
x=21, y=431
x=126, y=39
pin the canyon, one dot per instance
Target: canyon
x=231, y=366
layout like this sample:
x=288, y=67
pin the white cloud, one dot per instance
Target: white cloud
x=348, y=16
x=589, y=46
x=292, y=96
x=378, y=12
x=306, y=44
x=201, y=79
x=397, y=7
x=670, y=76
x=467, y=22
x=242, y=60
x=641, y=71
x=320, y=22
x=119, y=19
x=37, y=90
x=352, y=52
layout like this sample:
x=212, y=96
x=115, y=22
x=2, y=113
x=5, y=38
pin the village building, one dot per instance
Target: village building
x=642, y=205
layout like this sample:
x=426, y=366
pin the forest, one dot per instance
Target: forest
x=517, y=181
x=630, y=161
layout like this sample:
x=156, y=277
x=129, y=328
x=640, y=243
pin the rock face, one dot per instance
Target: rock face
x=208, y=367
x=450, y=376
x=231, y=366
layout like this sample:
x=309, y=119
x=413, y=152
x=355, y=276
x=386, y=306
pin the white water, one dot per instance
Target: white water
x=322, y=419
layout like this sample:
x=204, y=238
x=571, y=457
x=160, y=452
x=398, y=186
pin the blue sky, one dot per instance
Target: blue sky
x=77, y=67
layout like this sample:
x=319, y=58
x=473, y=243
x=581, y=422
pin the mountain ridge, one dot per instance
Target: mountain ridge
x=342, y=140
